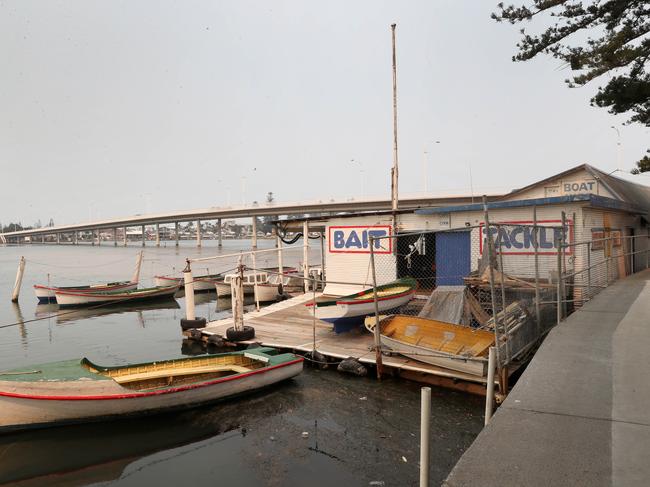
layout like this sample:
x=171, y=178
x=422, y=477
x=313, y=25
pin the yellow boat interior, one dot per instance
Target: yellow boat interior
x=437, y=335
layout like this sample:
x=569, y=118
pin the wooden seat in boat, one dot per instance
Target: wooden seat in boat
x=156, y=374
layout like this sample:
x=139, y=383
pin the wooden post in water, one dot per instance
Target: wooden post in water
x=254, y=236
x=280, y=256
x=19, y=280
x=157, y=234
x=305, y=254
x=219, y=231
x=198, y=233
x=176, y=231
x=425, y=415
x=189, y=292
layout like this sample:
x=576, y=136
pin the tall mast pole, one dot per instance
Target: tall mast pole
x=394, y=172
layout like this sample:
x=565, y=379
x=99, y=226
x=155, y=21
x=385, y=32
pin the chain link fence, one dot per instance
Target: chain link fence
x=514, y=280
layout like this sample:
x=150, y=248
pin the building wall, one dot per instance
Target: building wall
x=581, y=182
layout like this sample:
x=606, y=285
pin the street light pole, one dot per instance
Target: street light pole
x=363, y=190
x=618, y=149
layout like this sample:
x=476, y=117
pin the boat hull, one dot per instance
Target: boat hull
x=200, y=283
x=55, y=403
x=66, y=298
x=347, y=314
x=47, y=294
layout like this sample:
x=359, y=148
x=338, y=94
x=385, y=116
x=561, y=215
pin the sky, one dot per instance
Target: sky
x=115, y=108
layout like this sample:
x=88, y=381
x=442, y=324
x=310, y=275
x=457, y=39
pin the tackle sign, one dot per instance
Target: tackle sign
x=356, y=239
x=519, y=237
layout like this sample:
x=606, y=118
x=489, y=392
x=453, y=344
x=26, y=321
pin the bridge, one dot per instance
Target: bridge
x=218, y=213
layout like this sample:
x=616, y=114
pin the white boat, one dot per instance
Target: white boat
x=48, y=293
x=249, y=279
x=80, y=298
x=350, y=310
x=290, y=282
x=79, y=390
x=201, y=283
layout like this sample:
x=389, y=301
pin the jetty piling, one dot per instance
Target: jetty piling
x=19, y=280
x=489, y=395
x=305, y=254
x=189, y=292
x=425, y=415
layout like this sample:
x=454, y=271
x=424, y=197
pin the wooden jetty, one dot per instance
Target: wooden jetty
x=289, y=325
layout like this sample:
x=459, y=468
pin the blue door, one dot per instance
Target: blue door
x=453, y=252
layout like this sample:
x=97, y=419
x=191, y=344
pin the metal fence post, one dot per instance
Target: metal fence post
x=503, y=297
x=378, y=358
x=490, y=249
x=588, y=270
x=558, y=243
x=536, y=249
x=607, y=251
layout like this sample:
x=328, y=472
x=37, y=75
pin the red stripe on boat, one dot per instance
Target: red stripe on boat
x=146, y=394
x=370, y=300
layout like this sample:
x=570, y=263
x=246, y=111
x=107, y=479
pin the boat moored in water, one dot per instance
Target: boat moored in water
x=47, y=294
x=80, y=298
x=204, y=282
x=79, y=390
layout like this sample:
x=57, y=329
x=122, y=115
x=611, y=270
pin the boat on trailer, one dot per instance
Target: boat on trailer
x=80, y=298
x=81, y=391
x=454, y=347
x=349, y=311
x=47, y=294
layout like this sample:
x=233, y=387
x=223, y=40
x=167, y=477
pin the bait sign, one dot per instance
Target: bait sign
x=356, y=239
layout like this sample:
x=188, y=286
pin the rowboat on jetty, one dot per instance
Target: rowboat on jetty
x=350, y=310
x=81, y=391
x=48, y=293
x=80, y=298
x=204, y=282
x=447, y=345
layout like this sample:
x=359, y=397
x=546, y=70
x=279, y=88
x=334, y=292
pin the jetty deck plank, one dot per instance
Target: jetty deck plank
x=289, y=325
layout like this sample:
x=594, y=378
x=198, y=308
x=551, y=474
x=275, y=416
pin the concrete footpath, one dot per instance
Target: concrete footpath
x=580, y=413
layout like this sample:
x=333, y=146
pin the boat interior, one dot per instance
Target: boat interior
x=437, y=335
x=174, y=373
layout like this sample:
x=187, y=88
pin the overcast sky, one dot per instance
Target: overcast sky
x=112, y=108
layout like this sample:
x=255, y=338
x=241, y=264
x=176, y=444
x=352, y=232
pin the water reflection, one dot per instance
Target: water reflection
x=67, y=315
x=20, y=319
x=82, y=454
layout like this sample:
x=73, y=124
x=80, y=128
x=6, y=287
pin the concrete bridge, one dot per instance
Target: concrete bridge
x=70, y=233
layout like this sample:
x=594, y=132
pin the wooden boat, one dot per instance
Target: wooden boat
x=48, y=293
x=79, y=298
x=204, y=282
x=79, y=390
x=350, y=310
x=454, y=347
x=287, y=282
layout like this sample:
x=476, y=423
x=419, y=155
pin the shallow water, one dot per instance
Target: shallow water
x=357, y=430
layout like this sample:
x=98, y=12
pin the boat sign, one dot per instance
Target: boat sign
x=519, y=237
x=356, y=239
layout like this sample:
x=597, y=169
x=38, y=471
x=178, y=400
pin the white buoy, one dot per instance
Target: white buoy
x=19, y=280
x=189, y=292
x=489, y=395
x=425, y=415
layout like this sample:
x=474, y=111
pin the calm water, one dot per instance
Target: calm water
x=359, y=430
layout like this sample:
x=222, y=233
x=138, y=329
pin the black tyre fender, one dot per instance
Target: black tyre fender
x=247, y=333
x=195, y=323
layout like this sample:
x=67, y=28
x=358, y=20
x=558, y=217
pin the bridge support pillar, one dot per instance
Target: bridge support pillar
x=125, y=237
x=144, y=235
x=58, y=238
x=254, y=236
x=157, y=234
x=198, y=233
x=219, y=231
x=176, y=232
x=115, y=237
x=99, y=237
